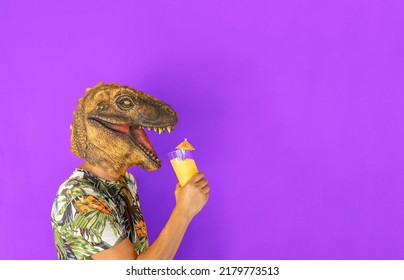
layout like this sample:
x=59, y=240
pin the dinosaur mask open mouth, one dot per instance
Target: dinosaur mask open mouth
x=137, y=136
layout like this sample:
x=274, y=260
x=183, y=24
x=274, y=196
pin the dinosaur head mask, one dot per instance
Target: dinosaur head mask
x=108, y=127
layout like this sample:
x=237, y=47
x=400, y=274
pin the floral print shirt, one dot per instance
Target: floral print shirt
x=90, y=214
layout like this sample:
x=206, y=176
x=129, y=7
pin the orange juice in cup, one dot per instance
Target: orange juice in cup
x=183, y=162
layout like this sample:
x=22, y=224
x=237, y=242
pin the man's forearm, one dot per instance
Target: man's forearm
x=167, y=243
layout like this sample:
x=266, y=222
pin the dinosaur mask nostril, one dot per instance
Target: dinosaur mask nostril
x=170, y=111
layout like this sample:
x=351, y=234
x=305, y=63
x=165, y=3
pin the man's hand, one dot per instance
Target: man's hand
x=191, y=198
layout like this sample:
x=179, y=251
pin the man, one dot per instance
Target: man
x=96, y=213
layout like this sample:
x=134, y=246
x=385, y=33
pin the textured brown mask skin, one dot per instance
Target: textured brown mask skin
x=108, y=124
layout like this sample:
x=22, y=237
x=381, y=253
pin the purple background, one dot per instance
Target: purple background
x=295, y=108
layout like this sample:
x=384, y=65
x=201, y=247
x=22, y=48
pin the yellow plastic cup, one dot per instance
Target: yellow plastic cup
x=183, y=164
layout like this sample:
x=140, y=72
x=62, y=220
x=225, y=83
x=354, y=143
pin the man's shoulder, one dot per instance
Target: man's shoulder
x=70, y=189
x=77, y=184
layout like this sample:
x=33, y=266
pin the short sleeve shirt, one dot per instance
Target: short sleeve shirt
x=90, y=214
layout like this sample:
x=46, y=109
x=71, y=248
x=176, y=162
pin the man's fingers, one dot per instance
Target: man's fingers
x=196, y=178
x=202, y=183
x=206, y=189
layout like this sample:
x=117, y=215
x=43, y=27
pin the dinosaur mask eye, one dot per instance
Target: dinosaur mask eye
x=125, y=102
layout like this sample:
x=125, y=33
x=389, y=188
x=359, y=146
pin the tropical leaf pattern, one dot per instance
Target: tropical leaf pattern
x=90, y=214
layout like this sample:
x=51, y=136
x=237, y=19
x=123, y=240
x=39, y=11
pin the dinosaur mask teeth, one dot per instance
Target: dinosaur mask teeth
x=159, y=129
x=150, y=153
x=142, y=141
